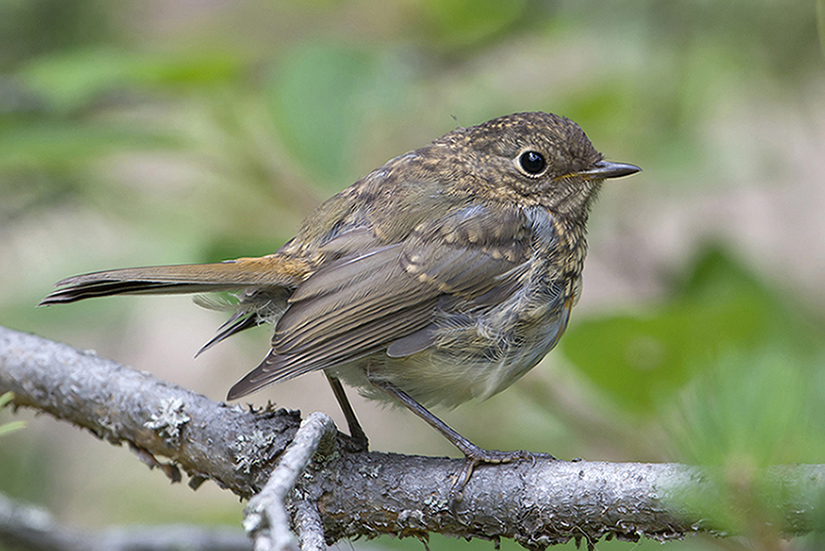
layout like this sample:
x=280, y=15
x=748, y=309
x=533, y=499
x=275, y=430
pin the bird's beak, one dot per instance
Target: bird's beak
x=607, y=169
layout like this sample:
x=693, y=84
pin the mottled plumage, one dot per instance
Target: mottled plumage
x=444, y=275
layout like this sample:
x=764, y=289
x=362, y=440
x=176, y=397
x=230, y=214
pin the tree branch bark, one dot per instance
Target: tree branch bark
x=369, y=494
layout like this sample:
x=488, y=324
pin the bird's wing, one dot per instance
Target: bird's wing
x=363, y=302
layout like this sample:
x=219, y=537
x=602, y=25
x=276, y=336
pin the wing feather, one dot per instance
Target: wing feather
x=386, y=296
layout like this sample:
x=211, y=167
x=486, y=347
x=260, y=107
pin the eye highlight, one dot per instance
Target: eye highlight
x=532, y=162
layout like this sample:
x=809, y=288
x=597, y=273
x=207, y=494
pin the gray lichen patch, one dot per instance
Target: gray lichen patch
x=169, y=420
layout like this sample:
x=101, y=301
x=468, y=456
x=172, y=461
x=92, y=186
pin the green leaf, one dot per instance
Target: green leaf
x=750, y=408
x=5, y=399
x=59, y=145
x=820, y=23
x=641, y=361
x=319, y=98
x=69, y=80
x=7, y=428
x=11, y=427
x=472, y=22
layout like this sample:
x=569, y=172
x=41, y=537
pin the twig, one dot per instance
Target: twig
x=307, y=521
x=265, y=517
x=32, y=529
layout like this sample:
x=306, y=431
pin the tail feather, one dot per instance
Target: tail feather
x=239, y=321
x=181, y=279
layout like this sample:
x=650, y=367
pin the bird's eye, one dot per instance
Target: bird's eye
x=532, y=162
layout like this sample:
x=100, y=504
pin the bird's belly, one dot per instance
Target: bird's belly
x=465, y=363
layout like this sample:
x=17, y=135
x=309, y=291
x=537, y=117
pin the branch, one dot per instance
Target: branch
x=370, y=494
x=31, y=528
x=227, y=444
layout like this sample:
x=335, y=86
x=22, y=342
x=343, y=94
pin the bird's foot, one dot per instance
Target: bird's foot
x=355, y=444
x=476, y=456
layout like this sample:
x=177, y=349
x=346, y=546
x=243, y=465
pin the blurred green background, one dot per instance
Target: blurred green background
x=171, y=131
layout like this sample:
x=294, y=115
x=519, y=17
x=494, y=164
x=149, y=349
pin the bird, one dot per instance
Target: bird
x=442, y=276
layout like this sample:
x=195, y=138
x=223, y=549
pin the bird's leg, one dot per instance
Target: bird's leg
x=472, y=453
x=358, y=439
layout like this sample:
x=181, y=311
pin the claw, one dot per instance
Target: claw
x=476, y=456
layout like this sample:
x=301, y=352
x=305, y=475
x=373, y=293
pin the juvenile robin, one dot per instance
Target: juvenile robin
x=443, y=275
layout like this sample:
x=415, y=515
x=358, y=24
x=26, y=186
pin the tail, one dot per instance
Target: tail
x=266, y=271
